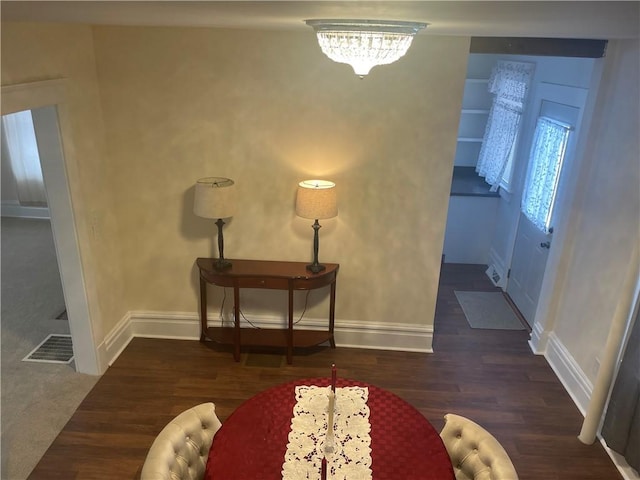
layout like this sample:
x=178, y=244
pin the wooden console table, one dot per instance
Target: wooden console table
x=264, y=274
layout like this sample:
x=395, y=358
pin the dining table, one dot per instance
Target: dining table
x=281, y=433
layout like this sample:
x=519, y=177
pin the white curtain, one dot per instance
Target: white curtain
x=545, y=162
x=509, y=83
x=20, y=140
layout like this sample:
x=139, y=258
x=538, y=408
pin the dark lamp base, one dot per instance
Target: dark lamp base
x=316, y=267
x=221, y=264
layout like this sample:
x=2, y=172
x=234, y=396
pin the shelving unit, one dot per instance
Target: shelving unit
x=476, y=103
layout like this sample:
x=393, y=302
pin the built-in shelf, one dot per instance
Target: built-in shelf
x=476, y=105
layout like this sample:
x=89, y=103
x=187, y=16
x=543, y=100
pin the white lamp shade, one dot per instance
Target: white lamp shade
x=215, y=198
x=316, y=199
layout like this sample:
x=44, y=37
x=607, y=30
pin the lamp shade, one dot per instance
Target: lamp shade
x=215, y=198
x=316, y=199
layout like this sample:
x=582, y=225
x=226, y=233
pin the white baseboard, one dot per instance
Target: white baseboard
x=575, y=382
x=186, y=326
x=17, y=210
x=538, y=340
x=115, y=342
x=627, y=472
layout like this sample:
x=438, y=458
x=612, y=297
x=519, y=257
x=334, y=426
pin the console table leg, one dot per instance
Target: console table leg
x=203, y=309
x=236, y=314
x=332, y=313
x=290, y=329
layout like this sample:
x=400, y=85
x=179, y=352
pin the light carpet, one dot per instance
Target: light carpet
x=488, y=310
x=37, y=398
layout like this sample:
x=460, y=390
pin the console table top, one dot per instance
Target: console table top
x=271, y=268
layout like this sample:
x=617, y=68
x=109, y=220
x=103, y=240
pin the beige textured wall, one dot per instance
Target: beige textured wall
x=34, y=52
x=609, y=227
x=268, y=109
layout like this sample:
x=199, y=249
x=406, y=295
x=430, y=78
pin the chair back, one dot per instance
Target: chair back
x=181, y=449
x=474, y=452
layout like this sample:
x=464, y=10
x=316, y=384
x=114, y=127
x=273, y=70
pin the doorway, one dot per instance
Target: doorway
x=43, y=98
x=33, y=305
x=559, y=87
x=560, y=107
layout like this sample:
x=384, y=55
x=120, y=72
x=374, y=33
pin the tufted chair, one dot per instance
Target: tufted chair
x=180, y=450
x=474, y=452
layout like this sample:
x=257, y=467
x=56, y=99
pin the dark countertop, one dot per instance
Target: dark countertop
x=467, y=183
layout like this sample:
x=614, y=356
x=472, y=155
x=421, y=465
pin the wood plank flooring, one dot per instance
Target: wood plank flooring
x=488, y=375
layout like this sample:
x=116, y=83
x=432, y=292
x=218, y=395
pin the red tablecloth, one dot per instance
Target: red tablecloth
x=252, y=442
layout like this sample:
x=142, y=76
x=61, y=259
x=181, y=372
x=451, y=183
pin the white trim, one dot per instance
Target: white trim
x=627, y=472
x=186, y=326
x=116, y=341
x=65, y=238
x=175, y=325
x=27, y=96
x=11, y=209
x=384, y=336
x=539, y=339
x=575, y=382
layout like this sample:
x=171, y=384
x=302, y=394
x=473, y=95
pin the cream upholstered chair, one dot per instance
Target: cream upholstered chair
x=180, y=450
x=474, y=452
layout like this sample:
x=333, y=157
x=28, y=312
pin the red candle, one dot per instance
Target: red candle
x=323, y=469
x=333, y=377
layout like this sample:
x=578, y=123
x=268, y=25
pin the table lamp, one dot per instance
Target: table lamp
x=215, y=197
x=316, y=199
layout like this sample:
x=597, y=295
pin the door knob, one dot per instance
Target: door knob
x=545, y=244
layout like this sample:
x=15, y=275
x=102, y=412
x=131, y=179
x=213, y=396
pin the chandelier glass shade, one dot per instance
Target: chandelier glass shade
x=363, y=44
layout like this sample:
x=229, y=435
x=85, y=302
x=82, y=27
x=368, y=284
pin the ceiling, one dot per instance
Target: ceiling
x=559, y=19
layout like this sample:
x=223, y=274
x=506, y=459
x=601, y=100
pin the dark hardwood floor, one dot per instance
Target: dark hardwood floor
x=490, y=376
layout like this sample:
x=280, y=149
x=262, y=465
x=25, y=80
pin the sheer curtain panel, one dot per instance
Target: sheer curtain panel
x=20, y=140
x=545, y=163
x=509, y=83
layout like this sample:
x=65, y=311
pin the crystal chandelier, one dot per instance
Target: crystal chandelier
x=363, y=44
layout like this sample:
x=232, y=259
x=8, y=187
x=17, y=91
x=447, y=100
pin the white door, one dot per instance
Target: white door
x=565, y=105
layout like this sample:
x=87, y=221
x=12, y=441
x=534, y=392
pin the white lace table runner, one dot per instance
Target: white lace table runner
x=351, y=457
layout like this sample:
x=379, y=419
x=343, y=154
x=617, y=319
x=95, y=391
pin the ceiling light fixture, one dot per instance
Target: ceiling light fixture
x=363, y=44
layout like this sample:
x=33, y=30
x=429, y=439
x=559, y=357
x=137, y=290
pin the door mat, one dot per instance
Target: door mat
x=53, y=349
x=489, y=310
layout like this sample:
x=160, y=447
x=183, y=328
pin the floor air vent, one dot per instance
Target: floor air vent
x=493, y=274
x=54, y=349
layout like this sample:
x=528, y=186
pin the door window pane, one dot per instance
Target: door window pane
x=545, y=163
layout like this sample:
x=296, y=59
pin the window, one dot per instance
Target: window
x=545, y=164
x=19, y=138
x=509, y=83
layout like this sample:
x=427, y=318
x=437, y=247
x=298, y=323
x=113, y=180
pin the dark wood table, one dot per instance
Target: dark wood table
x=252, y=442
x=265, y=274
